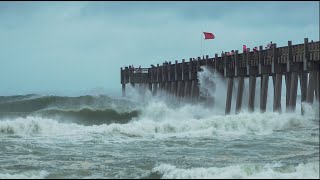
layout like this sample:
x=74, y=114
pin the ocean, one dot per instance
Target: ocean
x=143, y=136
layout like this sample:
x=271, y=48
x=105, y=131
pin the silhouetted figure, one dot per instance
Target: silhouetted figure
x=244, y=47
x=230, y=53
x=269, y=45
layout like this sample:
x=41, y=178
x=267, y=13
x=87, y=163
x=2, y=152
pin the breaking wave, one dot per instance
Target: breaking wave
x=252, y=171
x=85, y=110
x=87, y=116
x=157, y=120
x=31, y=103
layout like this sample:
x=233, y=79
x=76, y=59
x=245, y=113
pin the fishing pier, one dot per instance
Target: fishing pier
x=294, y=62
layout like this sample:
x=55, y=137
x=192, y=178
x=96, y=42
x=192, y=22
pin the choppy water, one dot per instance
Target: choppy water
x=151, y=137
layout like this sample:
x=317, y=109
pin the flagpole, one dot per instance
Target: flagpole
x=201, y=43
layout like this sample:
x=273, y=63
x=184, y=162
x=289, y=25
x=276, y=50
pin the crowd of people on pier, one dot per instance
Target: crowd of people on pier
x=244, y=50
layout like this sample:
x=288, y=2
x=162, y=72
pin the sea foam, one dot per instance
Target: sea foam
x=243, y=171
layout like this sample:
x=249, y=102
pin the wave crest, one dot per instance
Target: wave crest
x=88, y=116
x=268, y=171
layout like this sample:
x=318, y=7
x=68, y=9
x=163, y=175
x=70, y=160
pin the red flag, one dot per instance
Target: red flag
x=208, y=35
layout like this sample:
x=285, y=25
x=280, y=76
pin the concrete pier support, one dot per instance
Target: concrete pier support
x=252, y=91
x=274, y=82
x=311, y=86
x=277, y=94
x=229, y=95
x=288, y=86
x=303, y=88
x=293, y=91
x=180, y=88
x=150, y=87
x=167, y=87
x=161, y=86
x=183, y=85
x=187, y=89
x=264, y=92
x=193, y=89
x=239, y=95
x=154, y=89
x=173, y=87
x=197, y=90
x=123, y=90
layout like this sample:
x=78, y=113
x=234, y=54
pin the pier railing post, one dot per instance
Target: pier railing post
x=290, y=57
x=236, y=64
x=248, y=61
x=192, y=93
x=196, y=80
x=306, y=55
x=215, y=63
x=168, y=82
x=123, y=82
x=225, y=64
x=183, y=81
x=175, y=81
x=188, y=87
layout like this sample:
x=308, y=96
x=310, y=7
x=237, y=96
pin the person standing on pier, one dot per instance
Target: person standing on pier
x=244, y=48
x=269, y=45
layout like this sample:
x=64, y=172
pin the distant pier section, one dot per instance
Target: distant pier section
x=299, y=62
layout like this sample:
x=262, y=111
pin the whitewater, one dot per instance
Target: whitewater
x=154, y=137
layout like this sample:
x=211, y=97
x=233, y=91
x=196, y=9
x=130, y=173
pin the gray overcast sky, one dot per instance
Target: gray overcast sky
x=71, y=48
